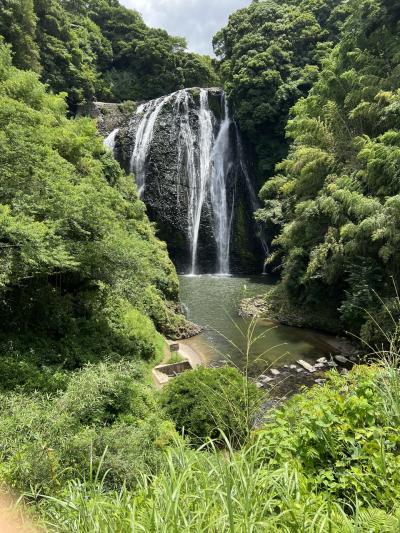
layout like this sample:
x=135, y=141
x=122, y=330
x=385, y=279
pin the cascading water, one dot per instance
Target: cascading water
x=204, y=174
x=149, y=113
x=109, y=141
x=222, y=165
x=204, y=160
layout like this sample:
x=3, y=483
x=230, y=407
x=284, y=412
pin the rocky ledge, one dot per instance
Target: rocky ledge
x=273, y=306
x=253, y=308
x=185, y=330
x=109, y=116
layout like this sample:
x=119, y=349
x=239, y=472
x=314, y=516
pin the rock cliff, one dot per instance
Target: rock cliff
x=185, y=152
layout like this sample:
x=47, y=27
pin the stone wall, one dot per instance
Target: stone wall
x=109, y=116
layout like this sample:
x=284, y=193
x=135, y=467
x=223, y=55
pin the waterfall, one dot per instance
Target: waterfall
x=222, y=164
x=183, y=146
x=186, y=160
x=204, y=174
x=203, y=161
x=109, y=141
x=148, y=114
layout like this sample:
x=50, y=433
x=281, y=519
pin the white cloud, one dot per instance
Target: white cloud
x=197, y=20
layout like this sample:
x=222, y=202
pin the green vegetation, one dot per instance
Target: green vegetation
x=334, y=202
x=99, y=48
x=174, y=358
x=327, y=462
x=82, y=275
x=106, y=422
x=87, y=290
x=269, y=57
x=205, y=402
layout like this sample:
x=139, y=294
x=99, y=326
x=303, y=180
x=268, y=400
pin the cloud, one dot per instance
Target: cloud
x=197, y=20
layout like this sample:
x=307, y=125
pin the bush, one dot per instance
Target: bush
x=100, y=394
x=328, y=461
x=20, y=372
x=341, y=437
x=205, y=403
x=138, y=335
x=133, y=452
x=106, y=421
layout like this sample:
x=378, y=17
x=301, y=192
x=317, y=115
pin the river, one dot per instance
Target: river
x=212, y=302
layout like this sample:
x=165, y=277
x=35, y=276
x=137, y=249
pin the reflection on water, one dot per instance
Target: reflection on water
x=212, y=302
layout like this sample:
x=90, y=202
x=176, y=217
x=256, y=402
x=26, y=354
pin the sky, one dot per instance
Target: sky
x=197, y=20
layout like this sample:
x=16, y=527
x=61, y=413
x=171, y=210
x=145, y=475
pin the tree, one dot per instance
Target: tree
x=269, y=57
x=337, y=194
x=81, y=271
x=98, y=48
x=18, y=22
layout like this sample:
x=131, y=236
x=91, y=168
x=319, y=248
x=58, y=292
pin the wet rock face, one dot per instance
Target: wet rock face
x=167, y=191
x=176, y=143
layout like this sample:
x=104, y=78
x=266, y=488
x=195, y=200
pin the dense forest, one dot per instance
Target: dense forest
x=88, y=293
x=331, y=205
x=99, y=48
x=269, y=57
x=334, y=202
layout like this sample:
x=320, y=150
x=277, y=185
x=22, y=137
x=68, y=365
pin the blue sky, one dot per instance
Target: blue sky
x=197, y=20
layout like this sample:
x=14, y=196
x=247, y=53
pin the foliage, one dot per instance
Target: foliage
x=342, y=443
x=47, y=441
x=85, y=286
x=269, y=57
x=327, y=462
x=99, y=48
x=81, y=271
x=334, y=200
x=18, y=24
x=146, y=62
x=205, y=402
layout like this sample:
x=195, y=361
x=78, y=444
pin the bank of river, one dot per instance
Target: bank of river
x=213, y=301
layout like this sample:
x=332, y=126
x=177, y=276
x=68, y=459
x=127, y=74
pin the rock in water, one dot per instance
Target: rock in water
x=189, y=161
x=306, y=365
x=342, y=359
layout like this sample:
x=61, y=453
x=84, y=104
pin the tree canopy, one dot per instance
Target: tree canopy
x=335, y=200
x=81, y=270
x=269, y=57
x=98, y=48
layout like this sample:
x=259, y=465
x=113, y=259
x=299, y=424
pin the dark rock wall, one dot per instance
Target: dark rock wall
x=167, y=193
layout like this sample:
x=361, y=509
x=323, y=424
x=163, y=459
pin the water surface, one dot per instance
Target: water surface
x=212, y=302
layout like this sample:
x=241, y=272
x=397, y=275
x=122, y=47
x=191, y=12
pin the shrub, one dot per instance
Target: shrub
x=132, y=452
x=205, y=403
x=102, y=393
x=105, y=421
x=136, y=334
x=341, y=437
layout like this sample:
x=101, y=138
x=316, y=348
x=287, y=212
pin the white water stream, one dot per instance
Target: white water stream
x=204, y=155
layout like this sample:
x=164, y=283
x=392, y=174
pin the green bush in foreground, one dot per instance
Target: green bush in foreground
x=205, y=403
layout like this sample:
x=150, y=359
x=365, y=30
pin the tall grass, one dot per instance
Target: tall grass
x=210, y=490
x=215, y=492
